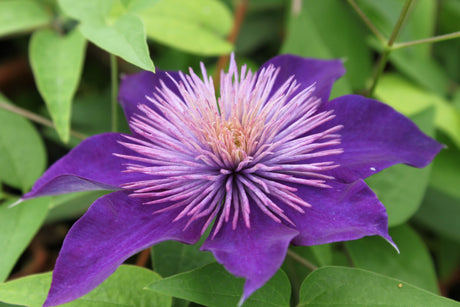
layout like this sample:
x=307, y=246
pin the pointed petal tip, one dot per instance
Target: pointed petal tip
x=243, y=298
x=390, y=240
x=17, y=202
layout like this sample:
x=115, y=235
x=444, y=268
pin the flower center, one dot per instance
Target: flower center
x=231, y=137
x=219, y=159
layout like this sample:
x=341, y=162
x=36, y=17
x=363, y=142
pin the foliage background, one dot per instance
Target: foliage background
x=60, y=62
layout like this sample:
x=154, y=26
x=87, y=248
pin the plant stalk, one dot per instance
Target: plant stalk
x=388, y=47
x=37, y=118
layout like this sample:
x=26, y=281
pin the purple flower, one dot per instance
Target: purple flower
x=269, y=163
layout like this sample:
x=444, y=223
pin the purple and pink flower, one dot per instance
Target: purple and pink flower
x=266, y=163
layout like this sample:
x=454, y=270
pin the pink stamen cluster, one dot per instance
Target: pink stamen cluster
x=220, y=157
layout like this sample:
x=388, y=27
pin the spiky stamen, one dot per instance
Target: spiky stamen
x=217, y=157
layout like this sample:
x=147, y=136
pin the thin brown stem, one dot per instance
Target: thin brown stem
x=367, y=21
x=36, y=118
x=143, y=258
x=240, y=13
x=301, y=260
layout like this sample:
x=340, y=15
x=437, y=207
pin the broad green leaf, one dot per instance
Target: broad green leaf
x=137, y=5
x=124, y=37
x=310, y=31
x=456, y=100
x=323, y=254
x=447, y=254
x=424, y=71
x=57, y=63
x=198, y=26
x=22, y=16
x=413, y=264
x=173, y=257
x=445, y=176
x=18, y=225
x=439, y=213
x=107, y=24
x=125, y=287
x=339, y=286
x=213, y=286
x=409, y=99
x=256, y=32
x=317, y=255
x=22, y=152
x=401, y=188
x=87, y=10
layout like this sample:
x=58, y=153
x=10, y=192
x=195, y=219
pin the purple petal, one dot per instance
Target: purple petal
x=343, y=212
x=256, y=253
x=375, y=137
x=89, y=166
x=115, y=227
x=308, y=71
x=135, y=88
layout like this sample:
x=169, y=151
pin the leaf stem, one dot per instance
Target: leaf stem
x=114, y=91
x=434, y=39
x=143, y=257
x=388, y=47
x=301, y=260
x=37, y=118
x=367, y=21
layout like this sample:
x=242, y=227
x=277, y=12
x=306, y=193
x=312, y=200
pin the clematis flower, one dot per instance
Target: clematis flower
x=267, y=162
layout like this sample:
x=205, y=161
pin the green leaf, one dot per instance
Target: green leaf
x=22, y=152
x=173, y=257
x=57, y=63
x=137, y=5
x=87, y=10
x=317, y=255
x=401, y=188
x=22, y=16
x=125, y=37
x=339, y=286
x=410, y=99
x=323, y=254
x=439, y=213
x=212, y=285
x=310, y=32
x=447, y=253
x=107, y=24
x=413, y=264
x=445, y=176
x=198, y=26
x=122, y=288
x=18, y=225
x=425, y=71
